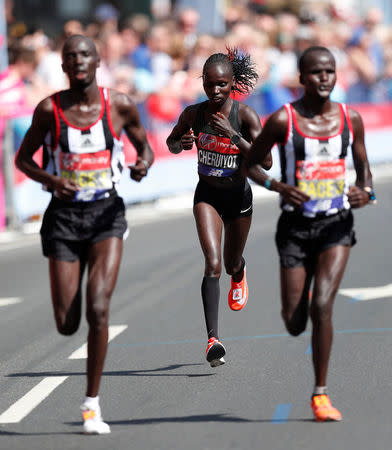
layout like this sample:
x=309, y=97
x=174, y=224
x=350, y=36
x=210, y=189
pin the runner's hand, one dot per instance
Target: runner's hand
x=292, y=195
x=187, y=140
x=220, y=123
x=357, y=197
x=138, y=170
x=66, y=189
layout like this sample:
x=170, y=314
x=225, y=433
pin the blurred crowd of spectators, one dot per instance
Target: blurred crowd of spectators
x=158, y=59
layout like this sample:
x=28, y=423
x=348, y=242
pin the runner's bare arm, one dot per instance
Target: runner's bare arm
x=255, y=129
x=42, y=124
x=274, y=131
x=136, y=133
x=356, y=195
x=182, y=137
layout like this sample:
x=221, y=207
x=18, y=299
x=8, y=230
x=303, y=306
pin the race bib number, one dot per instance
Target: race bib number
x=324, y=182
x=217, y=157
x=90, y=171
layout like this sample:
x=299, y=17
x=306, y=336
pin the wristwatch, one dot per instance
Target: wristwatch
x=145, y=164
x=235, y=139
x=372, y=195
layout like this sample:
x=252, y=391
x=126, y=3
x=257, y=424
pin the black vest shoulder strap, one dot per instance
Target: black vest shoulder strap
x=199, y=121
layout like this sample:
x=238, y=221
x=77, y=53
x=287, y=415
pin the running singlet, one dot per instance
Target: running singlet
x=91, y=156
x=217, y=156
x=317, y=165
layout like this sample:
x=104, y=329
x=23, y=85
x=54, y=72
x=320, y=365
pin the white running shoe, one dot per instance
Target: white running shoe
x=92, y=421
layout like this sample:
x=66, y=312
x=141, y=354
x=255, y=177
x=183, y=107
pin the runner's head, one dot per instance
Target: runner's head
x=80, y=60
x=317, y=69
x=224, y=73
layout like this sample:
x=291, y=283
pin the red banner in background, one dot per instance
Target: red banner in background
x=157, y=141
x=173, y=174
x=375, y=116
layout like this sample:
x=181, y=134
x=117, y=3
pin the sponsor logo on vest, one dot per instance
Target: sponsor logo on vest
x=218, y=144
x=207, y=141
x=323, y=150
x=70, y=161
x=87, y=142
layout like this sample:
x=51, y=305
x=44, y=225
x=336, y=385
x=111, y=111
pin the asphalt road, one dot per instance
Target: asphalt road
x=158, y=392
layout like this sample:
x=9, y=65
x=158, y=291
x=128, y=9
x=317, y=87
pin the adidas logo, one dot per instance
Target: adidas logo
x=87, y=142
x=323, y=150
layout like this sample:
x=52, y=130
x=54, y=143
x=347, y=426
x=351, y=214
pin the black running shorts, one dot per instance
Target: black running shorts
x=229, y=203
x=70, y=228
x=300, y=239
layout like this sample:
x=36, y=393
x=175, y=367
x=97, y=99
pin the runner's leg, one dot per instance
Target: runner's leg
x=104, y=259
x=65, y=283
x=209, y=229
x=294, y=284
x=330, y=267
x=236, y=234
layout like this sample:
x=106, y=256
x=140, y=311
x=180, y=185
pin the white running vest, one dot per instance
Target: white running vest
x=317, y=165
x=92, y=156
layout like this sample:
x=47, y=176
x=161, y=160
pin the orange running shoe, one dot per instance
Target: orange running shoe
x=215, y=352
x=323, y=410
x=238, y=295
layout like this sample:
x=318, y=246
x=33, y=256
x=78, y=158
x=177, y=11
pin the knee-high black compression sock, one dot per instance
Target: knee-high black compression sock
x=210, y=294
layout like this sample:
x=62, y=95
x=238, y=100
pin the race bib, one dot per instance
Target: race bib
x=91, y=172
x=324, y=182
x=217, y=156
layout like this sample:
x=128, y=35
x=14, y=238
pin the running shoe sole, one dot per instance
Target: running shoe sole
x=217, y=362
x=215, y=354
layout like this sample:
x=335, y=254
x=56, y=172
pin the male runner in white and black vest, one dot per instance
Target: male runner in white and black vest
x=84, y=224
x=315, y=230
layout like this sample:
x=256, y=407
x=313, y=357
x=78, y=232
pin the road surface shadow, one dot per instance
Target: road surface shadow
x=120, y=373
x=201, y=418
x=195, y=419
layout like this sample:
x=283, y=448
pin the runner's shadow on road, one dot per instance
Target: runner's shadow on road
x=176, y=419
x=200, y=418
x=121, y=373
x=43, y=433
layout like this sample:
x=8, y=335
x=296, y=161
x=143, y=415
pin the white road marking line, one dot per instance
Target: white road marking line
x=368, y=293
x=9, y=301
x=19, y=410
x=81, y=352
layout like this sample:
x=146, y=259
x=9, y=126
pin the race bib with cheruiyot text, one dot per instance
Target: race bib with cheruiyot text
x=217, y=156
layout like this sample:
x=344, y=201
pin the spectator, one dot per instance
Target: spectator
x=111, y=51
x=27, y=87
x=134, y=32
x=161, y=64
x=365, y=73
x=187, y=23
x=107, y=15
